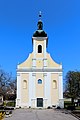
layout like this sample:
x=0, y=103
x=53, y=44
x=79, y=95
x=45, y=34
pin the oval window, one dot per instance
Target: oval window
x=39, y=81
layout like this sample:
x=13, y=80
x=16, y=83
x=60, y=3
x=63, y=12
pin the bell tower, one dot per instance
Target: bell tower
x=40, y=42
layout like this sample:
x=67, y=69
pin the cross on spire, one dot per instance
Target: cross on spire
x=40, y=14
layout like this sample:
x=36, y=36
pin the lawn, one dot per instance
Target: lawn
x=11, y=104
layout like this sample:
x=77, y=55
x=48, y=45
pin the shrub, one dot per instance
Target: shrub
x=71, y=108
x=12, y=104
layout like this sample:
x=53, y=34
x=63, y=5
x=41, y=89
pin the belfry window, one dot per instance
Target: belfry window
x=39, y=81
x=39, y=49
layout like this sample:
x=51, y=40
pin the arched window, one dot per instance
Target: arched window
x=39, y=81
x=39, y=49
x=24, y=84
x=54, y=84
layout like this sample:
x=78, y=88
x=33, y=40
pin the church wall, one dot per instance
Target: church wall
x=39, y=55
x=24, y=89
x=54, y=89
x=39, y=63
x=39, y=87
x=47, y=89
x=18, y=99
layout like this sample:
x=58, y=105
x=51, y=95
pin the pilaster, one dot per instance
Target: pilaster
x=60, y=86
x=18, y=100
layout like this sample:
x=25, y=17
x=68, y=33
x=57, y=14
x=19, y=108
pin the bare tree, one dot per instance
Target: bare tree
x=7, y=84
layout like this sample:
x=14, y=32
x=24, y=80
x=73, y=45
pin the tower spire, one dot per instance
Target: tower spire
x=40, y=14
x=40, y=32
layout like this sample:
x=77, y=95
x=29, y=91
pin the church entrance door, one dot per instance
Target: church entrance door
x=39, y=102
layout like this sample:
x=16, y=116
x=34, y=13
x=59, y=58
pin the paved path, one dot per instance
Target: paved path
x=33, y=114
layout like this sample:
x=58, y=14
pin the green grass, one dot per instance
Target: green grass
x=11, y=104
x=68, y=103
x=78, y=108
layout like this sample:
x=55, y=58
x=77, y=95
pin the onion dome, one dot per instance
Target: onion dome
x=40, y=32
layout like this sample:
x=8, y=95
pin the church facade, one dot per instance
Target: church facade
x=39, y=77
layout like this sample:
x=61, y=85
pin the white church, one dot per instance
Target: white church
x=39, y=77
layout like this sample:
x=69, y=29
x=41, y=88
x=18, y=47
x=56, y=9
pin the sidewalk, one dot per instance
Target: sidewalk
x=34, y=114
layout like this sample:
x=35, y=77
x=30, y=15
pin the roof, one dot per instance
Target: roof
x=40, y=32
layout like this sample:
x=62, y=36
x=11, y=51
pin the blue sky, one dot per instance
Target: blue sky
x=18, y=21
